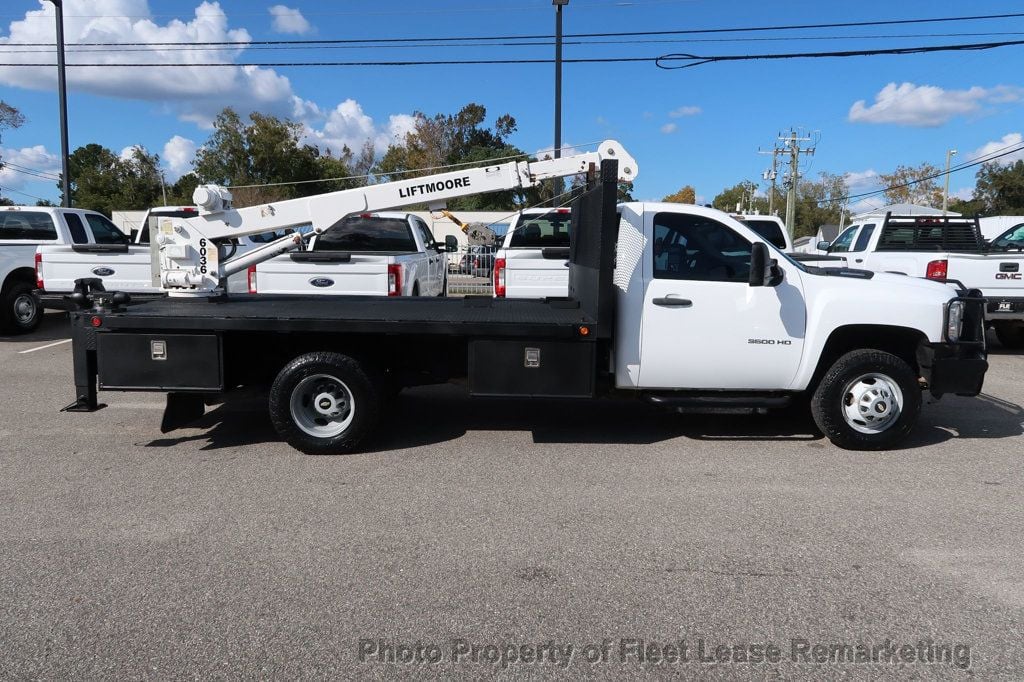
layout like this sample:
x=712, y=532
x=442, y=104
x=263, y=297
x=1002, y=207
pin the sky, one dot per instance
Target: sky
x=701, y=126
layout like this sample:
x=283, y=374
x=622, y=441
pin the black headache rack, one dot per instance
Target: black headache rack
x=930, y=233
x=515, y=347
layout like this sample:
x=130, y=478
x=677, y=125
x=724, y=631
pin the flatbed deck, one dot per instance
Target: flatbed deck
x=476, y=316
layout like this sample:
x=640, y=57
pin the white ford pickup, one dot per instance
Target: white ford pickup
x=366, y=254
x=24, y=230
x=533, y=261
x=121, y=262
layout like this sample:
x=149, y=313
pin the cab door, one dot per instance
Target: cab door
x=435, y=260
x=703, y=326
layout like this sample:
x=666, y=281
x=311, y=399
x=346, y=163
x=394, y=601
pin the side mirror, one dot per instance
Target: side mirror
x=823, y=245
x=451, y=244
x=764, y=271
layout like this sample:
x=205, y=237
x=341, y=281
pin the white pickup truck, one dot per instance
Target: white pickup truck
x=24, y=230
x=533, y=261
x=770, y=227
x=943, y=249
x=121, y=262
x=364, y=254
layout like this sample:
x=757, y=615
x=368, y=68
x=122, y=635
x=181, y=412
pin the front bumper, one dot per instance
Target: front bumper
x=957, y=368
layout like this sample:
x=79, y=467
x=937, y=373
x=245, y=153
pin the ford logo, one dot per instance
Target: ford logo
x=102, y=272
x=322, y=282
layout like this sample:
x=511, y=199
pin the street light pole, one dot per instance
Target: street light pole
x=559, y=4
x=62, y=87
x=950, y=153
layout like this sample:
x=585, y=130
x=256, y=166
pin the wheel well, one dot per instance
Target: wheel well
x=902, y=342
x=20, y=275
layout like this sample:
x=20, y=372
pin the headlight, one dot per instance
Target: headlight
x=954, y=320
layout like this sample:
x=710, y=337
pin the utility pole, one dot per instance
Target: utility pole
x=950, y=153
x=62, y=88
x=791, y=146
x=771, y=175
x=559, y=4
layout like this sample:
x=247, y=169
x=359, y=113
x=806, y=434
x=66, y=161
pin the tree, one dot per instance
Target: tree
x=10, y=118
x=461, y=138
x=819, y=202
x=1000, y=189
x=102, y=181
x=266, y=151
x=913, y=185
x=686, y=195
x=180, y=193
x=742, y=195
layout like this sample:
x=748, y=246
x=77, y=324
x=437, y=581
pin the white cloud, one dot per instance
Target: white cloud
x=684, y=111
x=999, y=146
x=28, y=164
x=288, y=20
x=194, y=93
x=928, y=106
x=669, y=128
x=860, y=181
x=348, y=125
x=177, y=157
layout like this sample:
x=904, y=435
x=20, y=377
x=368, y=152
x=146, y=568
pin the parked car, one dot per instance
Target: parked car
x=770, y=227
x=478, y=261
x=369, y=254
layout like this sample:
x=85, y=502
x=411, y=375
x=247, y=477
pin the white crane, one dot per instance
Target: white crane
x=186, y=252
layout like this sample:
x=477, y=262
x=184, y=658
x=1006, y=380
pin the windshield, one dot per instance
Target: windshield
x=1011, y=239
x=542, y=231
x=367, y=233
x=769, y=229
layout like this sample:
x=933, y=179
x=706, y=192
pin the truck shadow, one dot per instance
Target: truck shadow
x=54, y=327
x=434, y=415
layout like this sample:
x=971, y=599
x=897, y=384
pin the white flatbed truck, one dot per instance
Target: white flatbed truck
x=678, y=305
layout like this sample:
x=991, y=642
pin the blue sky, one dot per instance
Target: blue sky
x=700, y=126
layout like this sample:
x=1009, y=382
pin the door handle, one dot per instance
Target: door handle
x=672, y=302
x=859, y=260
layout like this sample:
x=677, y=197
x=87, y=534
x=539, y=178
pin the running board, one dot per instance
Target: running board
x=719, y=399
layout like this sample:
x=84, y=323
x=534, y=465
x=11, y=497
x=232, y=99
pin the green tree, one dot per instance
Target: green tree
x=104, y=182
x=1000, y=189
x=819, y=202
x=913, y=185
x=461, y=138
x=743, y=195
x=686, y=195
x=265, y=151
x=180, y=193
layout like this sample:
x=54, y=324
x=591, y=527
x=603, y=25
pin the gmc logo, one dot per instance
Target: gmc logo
x=1008, y=275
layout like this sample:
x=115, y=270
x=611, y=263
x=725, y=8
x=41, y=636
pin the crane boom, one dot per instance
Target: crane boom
x=186, y=250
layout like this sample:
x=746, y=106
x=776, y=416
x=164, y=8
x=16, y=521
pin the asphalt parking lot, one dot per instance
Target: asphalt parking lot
x=529, y=527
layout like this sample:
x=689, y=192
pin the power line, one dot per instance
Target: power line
x=612, y=34
x=11, y=189
x=28, y=172
x=198, y=48
x=695, y=60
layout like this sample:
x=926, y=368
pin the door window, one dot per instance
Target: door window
x=425, y=233
x=104, y=231
x=843, y=241
x=864, y=237
x=697, y=248
x=76, y=227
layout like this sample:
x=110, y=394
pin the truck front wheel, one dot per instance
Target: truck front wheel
x=20, y=310
x=868, y=400
x=325, y=403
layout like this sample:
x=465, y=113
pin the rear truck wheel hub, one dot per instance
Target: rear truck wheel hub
x=872, y=403
x=322, y=406
x=24, y=308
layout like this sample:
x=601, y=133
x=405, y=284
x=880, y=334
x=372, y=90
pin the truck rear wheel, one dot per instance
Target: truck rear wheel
x=1010, y=334
x=325, y=403
x=868, y=400
x=20, y=310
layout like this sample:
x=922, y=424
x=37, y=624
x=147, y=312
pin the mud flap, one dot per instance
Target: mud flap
x=182, y=409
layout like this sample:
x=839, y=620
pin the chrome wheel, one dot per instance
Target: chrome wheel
x=322, y=406
x=872, y=403
x=25, y=309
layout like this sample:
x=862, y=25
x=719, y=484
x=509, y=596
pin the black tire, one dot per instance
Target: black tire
x=20, y=310
x=363, y=384
x=837, y=390
x=1010, y=334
